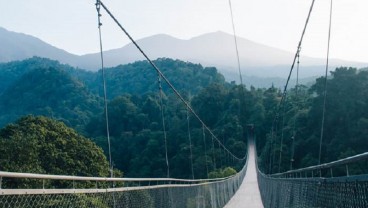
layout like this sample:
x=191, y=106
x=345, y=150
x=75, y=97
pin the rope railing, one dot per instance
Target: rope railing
x=342, y=162
x=4, y=174
x=306, y=187
x=126, y=192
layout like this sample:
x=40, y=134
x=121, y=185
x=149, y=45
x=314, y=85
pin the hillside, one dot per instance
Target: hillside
x=18, y=46
x=12, y=71
x=45, y=87
x=216, y=49
x=51, y=92
x=212, y=49
x=48, y=88
x=140, y=78
x=40, y=86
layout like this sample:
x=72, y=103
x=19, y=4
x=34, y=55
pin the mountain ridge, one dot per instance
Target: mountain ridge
x=211, y=49
x=19, y=46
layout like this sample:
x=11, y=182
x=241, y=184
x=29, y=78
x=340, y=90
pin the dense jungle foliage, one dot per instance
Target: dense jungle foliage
x=73, y=96
x=345, y=128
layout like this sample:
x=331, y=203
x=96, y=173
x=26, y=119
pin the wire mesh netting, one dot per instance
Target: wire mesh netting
x=343, y=192
x=207, y=194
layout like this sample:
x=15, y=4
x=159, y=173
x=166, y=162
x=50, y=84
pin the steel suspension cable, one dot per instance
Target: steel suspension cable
x=292, y=159
x=163, y=124
x=271, y=148
x=275, y=121
x=213, y=153
x=242, y=106
x=221, y=159
x=205, y=148
x=274, y=146
x=236, y=43
x=190, y=145
x=325, y=86
x=282, y=135
x=295, y=58
x=167, y=81
x=98, y=8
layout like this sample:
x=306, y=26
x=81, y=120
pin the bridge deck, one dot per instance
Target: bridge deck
x=248, y=194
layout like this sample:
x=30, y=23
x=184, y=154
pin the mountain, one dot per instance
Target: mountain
x=18, y=46
x=216, y=49
x=212, y=49
x=51, y=92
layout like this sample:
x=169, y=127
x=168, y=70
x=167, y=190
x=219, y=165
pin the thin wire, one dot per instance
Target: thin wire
x=190, y=145
x=282, y=136
x=271, y=150
x=325, y=89
x=292, y=150
x=168, y=82
x=242, y=95
x=236, y=43
x=296, y=113
x=213, y=153
x=221, y=158
x=163, y=124
x=274, y=147
x=205, y=148
x=98, y=7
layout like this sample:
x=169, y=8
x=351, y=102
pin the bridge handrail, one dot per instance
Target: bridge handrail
x=167, y=183
x=4, y=174
x=345, y=161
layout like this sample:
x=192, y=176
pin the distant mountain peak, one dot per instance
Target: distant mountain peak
x=211, y=49
x=18, y=46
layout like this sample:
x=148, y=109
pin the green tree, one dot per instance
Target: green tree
x=42, y=145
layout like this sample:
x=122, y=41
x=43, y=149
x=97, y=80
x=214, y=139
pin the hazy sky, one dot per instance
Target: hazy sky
x=72, y=24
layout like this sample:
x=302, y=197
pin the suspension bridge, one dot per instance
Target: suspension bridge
x=314, y=186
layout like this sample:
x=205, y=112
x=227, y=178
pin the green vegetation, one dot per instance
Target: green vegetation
x=45, y=87
x=345, y=131
x=50, y=92
x=73, y=96
x=140, y=78
x=42, y=145
x=222, y=173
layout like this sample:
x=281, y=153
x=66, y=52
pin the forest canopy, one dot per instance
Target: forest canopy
x=74, y=97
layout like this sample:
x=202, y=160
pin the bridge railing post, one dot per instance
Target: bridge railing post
x=331, y=172
x=347, y=170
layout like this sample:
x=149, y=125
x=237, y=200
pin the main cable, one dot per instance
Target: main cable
x=294, y=60
x=275, y=121
x=168, y=82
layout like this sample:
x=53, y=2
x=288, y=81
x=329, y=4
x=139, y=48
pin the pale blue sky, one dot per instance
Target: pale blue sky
x=71, y=24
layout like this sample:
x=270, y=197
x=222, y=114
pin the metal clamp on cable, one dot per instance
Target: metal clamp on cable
x=98, y=8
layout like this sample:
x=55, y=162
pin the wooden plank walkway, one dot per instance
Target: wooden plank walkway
x=248, y=194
